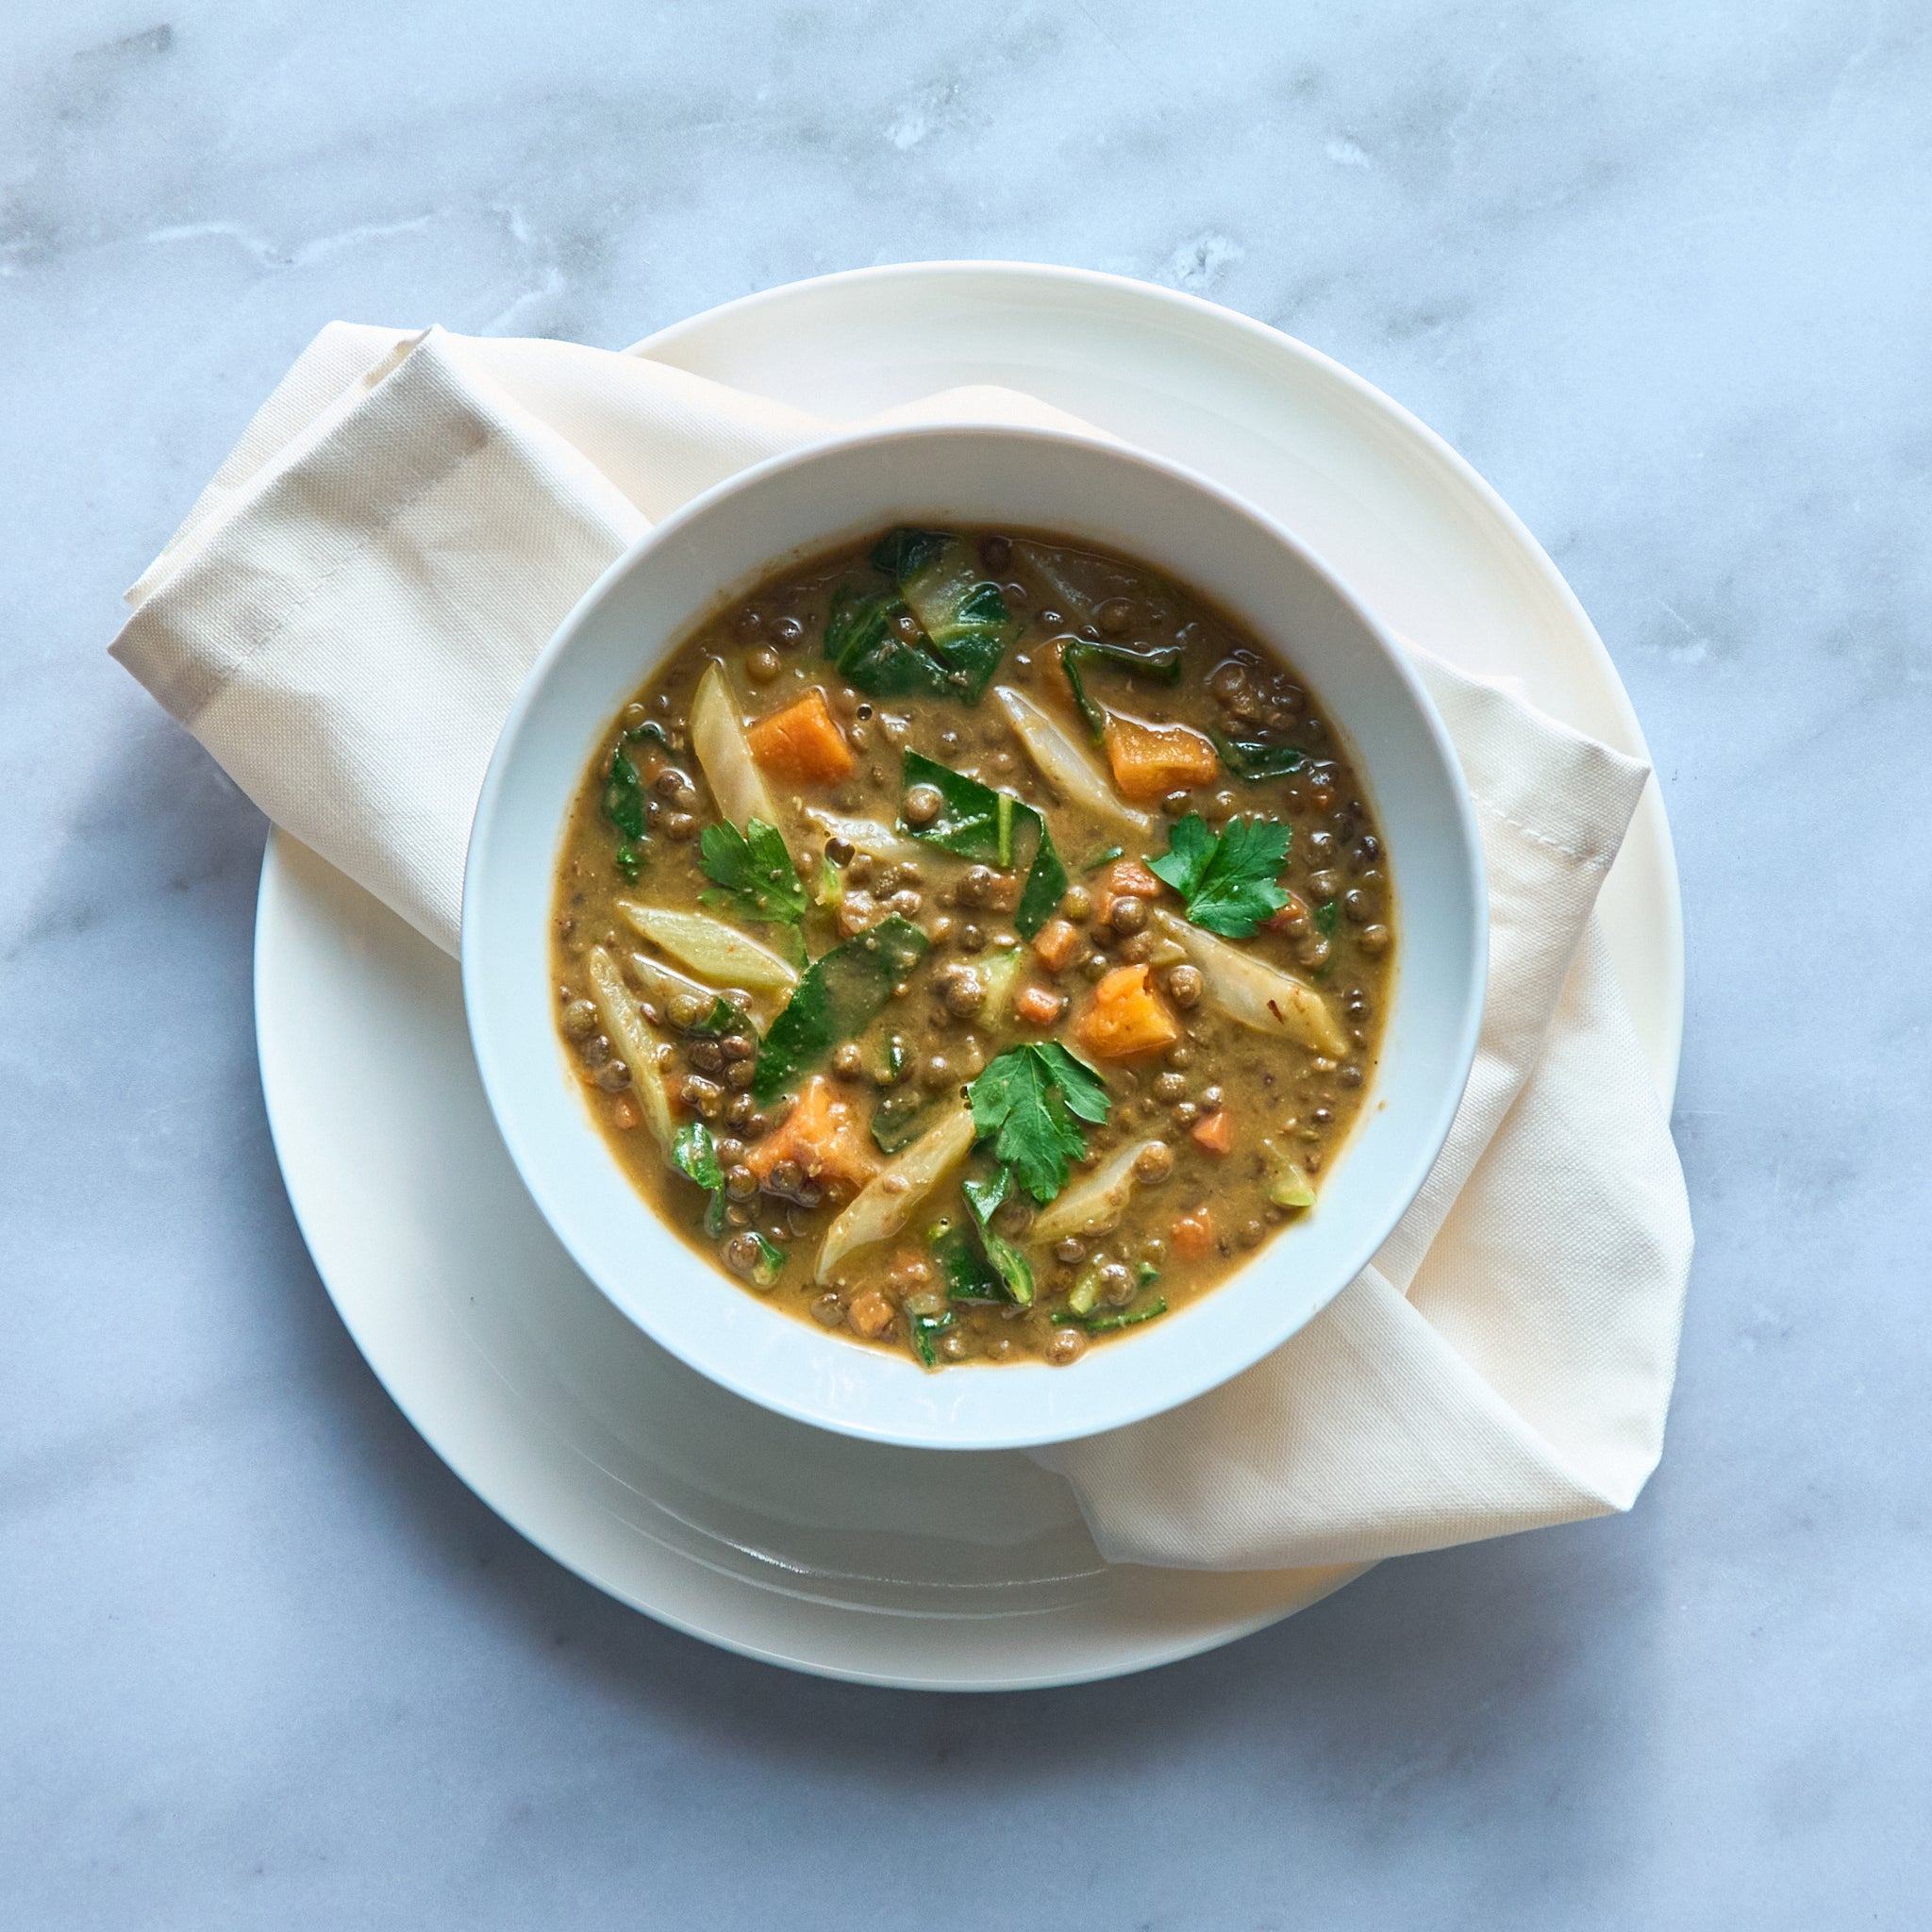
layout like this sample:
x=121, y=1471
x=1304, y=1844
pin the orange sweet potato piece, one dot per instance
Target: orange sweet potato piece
x=1037, y=1006
x=1056, y=942
x=1150, y=760
x=1214, y=1131
x=820, y=1136
x=1126, y=878
x=802, y=743
x=1193, y=1234
x=1126, y=1018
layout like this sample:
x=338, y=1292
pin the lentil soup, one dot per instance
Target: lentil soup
x=974, y=943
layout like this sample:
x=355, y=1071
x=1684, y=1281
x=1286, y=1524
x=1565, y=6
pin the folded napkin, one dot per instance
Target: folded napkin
x=345, y=617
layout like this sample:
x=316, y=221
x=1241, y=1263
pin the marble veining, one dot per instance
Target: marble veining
x=1664, y=276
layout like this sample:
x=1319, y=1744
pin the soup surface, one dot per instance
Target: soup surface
x=973, y=942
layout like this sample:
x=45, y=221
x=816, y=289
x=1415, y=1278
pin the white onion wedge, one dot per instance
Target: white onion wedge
x=1259, y=996
x=866, y=835
x=1095, y=1205
x=885, y=1202
x=1064, y=764
x=663, y=983
x=717, y=735
x=714, y=951
x=632, y=1039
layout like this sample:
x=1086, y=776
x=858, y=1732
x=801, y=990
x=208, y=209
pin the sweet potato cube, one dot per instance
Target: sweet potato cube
x=1127, y=1018
x=802, y=743
x=1214, y=1131
x=820, y=1137
x=1056, y=942
x=1150, y=760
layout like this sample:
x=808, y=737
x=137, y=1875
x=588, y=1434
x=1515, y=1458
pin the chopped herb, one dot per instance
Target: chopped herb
x=751, y=873
x=840, y=994
x=1029, y=1102
x=694, y=1155
x=968, y=1276
x=1252, y=760
x=924, y=1331
x=623, y=806
x=1328, y=916
x=1014, y=1270
x=1105, y=856
x=1107, y=1324
x=1228, y=881
x=898, y=1120
x=1159, y=662
x=770, y=1262
x=976, y=821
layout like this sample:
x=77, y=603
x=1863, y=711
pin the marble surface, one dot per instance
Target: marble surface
x=1662, y=275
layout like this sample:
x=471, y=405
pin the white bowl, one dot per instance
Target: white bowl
x=710, y=553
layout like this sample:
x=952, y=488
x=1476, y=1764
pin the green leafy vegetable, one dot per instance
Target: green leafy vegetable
x=1106, y=1324
x=962, y=622
x=1328, y=916
x=623, y=806
x=630, y=861
x=968, y=1276
x=976, y=822
x=1157, y=663
x=1105, y=856
x=924, y=1331
x=751, y=873
x=840, y=995
x=1251, y=759
x=1227, y=880
x=723, y=1017
x=986, y=1198
x=653, y=730
x=694, y=1155
x=898, y=1120
x=770, y=1262
x=1029, y=1102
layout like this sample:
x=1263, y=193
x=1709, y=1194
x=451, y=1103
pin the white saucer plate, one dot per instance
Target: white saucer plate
x=849, y=1558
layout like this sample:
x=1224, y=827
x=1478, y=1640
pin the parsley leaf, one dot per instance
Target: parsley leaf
x=1029, y=1102
x=1228, y=881
x=623, y=806
x=751, y=873
x=841, y=992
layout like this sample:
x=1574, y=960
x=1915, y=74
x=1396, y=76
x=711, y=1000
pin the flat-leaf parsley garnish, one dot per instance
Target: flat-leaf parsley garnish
x=1030, y=1102
x=751, y=873
x=1228, y=881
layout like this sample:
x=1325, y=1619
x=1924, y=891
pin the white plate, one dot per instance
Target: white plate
x=857, y=1560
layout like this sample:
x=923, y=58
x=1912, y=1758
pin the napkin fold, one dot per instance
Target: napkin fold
x=346, y=616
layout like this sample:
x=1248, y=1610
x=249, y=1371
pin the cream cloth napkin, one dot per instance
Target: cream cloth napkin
x=346, y=616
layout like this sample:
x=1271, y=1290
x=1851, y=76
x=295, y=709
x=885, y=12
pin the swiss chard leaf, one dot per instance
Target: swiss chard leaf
x=751, y=873
x=964, y=625
x=986, y=1198
x=968, y=1275
x=1228, y=881
x=1029, y=1103
x=1252, y=760
x=694, y=1155
x=1327, y=917
x=1104, y=1322
x=904, y=552
x=898, y=1120
x=1156, y=663
x=924, y=1332
x=623, y=806
x=976, y=822
x=840, y=995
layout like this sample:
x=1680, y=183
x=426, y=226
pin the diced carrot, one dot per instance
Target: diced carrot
x=1126, y=1018
x=1150, y=760
x=624, y=1113
x=1038, y=1007
x=1056, y=942
x=820, y=1137
x=1215, y=1131
x=1193, y=1234
x=1292, y=917
x=1126, y=878
x=802, y=743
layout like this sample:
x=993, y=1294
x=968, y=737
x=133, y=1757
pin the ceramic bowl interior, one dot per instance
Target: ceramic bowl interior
x=713, y=550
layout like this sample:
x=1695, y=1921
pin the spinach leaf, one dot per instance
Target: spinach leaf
x=976, y=822
x=653, y=730
x=863, y=642
x=1106, y=1324
x=1105, y=856
x=841, y=992
x=751, y=873
x=1029, y=1102
x=904, y=552
x=1328, y=916
x=968, y=1276
x=623, y=806
x=963, y=620
x=1157, y=663
x=1228, y=881
x=1251, y=759
x=924, y=1332
x=770, y=1262
x=694, y=1155
x=898, y=1120
x=721, y=1019
x=986, y=1198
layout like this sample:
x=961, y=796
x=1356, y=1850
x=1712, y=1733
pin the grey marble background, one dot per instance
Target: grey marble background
x=1663, y=274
